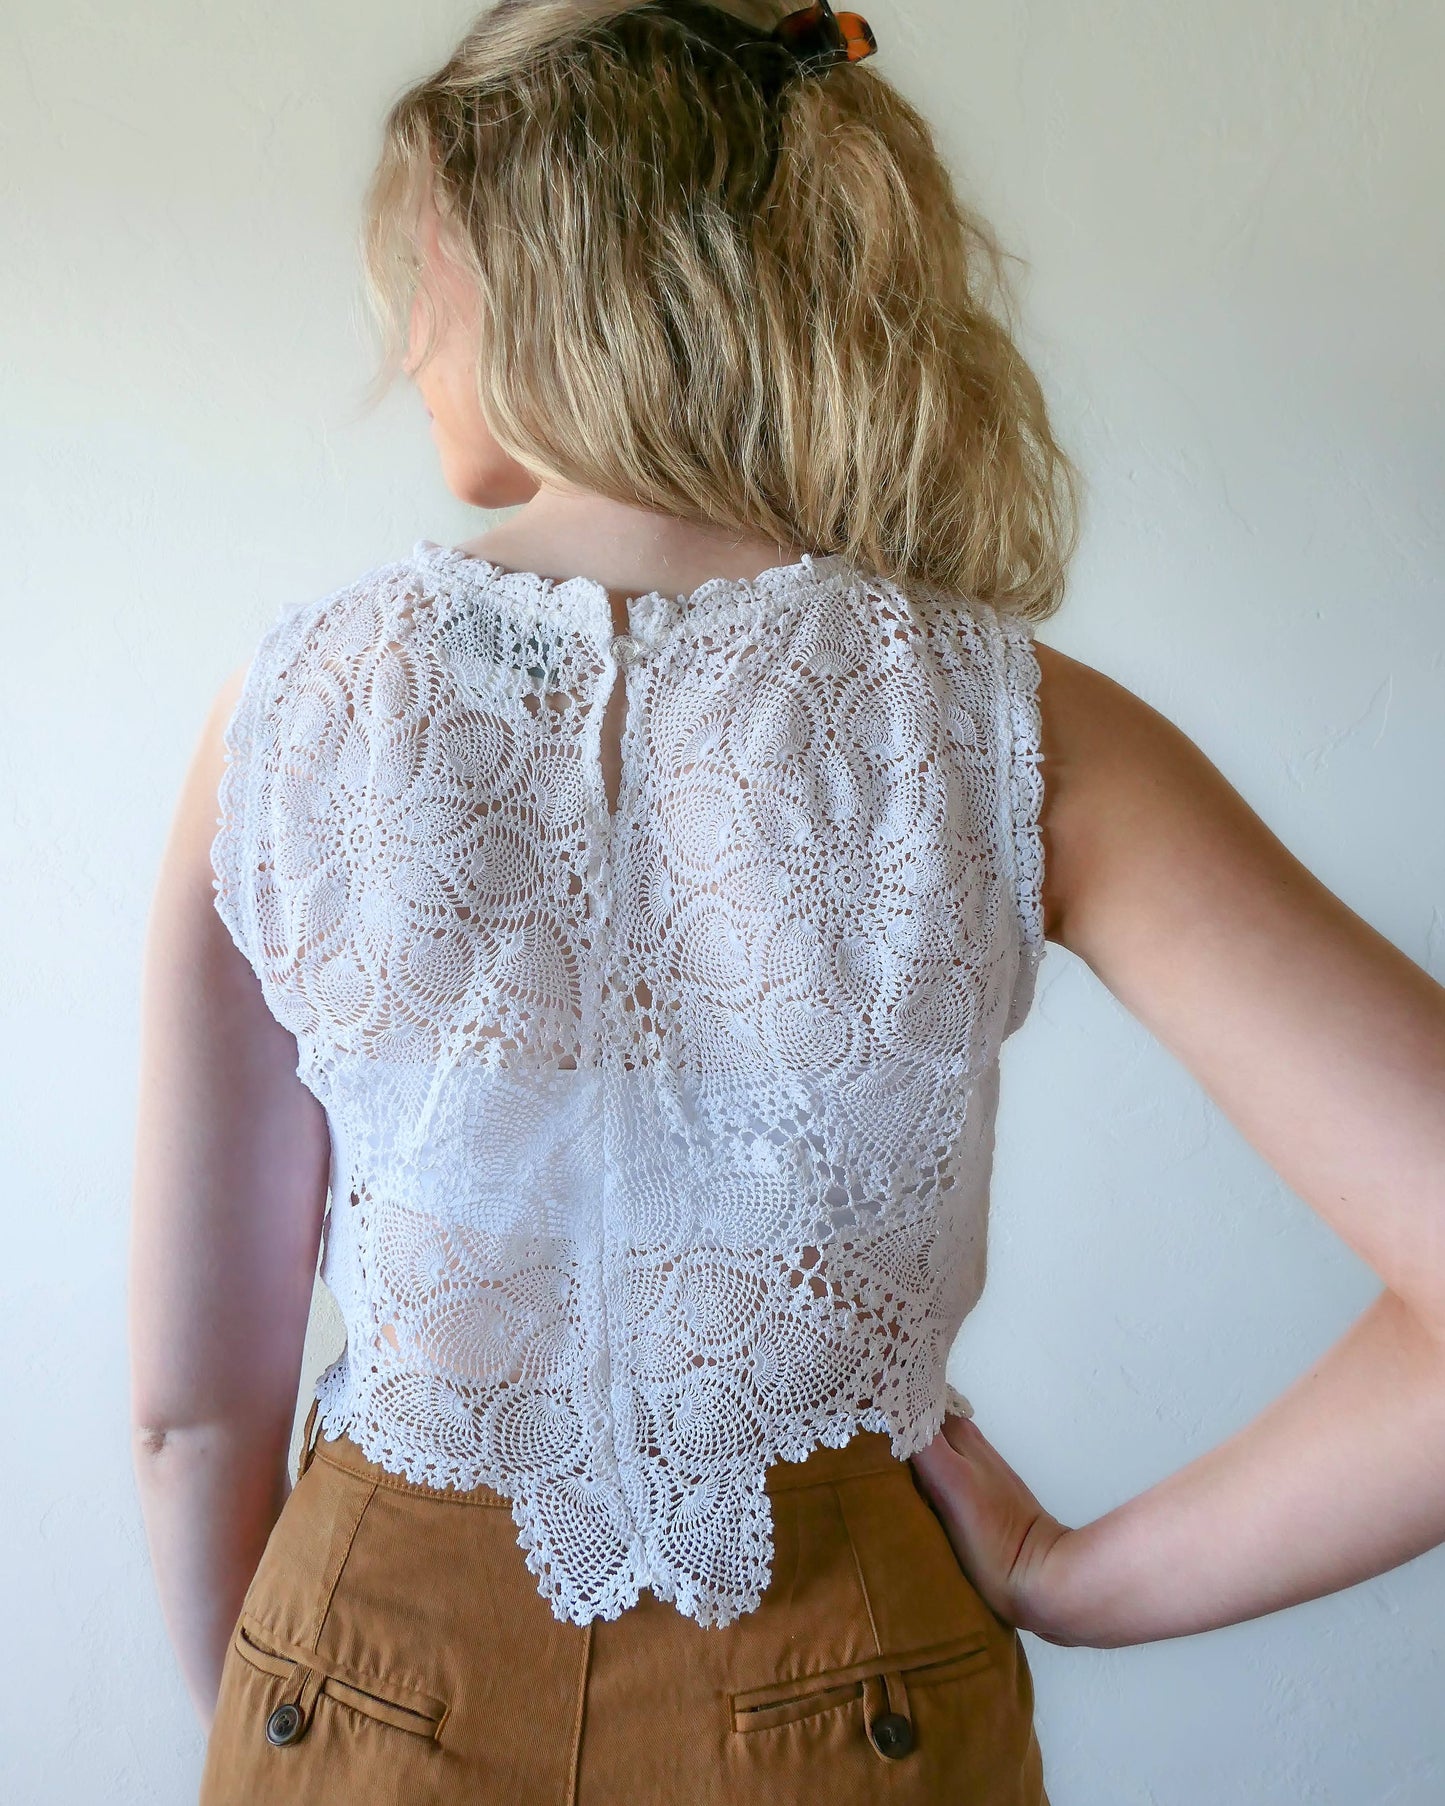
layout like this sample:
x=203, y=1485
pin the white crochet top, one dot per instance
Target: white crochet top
x=660, y=1141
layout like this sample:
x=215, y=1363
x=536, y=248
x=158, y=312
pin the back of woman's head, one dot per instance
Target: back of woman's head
x=699, y=291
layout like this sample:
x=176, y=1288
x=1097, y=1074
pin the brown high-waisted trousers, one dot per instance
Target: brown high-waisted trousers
x=393, y=1647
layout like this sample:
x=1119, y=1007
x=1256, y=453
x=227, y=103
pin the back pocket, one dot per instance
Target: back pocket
x=883, y=1683
x=307, y=1677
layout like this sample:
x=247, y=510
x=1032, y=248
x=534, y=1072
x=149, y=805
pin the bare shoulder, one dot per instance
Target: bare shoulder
x=1150, y=851
x=1126, y=794
x=193, y=825
x=224, y=702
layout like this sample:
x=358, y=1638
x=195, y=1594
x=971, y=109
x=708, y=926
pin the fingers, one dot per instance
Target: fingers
x=959, y=1437
x=961, y=1433
x=930, y=1473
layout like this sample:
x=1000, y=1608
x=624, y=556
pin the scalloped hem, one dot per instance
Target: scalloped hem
x=571, y=1601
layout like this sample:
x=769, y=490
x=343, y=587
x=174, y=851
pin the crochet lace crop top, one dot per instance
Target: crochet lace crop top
x=660, y=1138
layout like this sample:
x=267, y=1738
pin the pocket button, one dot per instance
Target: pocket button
x=284, y=1724
x=892, y=1735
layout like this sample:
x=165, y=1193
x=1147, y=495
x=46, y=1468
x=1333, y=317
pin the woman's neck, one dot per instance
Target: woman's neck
x=630, y=551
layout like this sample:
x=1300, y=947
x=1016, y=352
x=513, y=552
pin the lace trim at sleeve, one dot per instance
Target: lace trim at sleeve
x=1025, y=795
x=235, y=845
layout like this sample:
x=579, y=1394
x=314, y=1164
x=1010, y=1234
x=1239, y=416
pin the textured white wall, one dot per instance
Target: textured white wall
x=1231, y=217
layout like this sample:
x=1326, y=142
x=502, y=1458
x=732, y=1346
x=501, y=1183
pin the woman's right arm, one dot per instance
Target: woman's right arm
x=232, y=1160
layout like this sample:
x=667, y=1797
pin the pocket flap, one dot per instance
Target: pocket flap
x=762, y=1708
x=401, y=1707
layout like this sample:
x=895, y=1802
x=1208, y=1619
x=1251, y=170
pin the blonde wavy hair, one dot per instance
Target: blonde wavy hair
x=759, y=311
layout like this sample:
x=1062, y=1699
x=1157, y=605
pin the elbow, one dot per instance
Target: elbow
x=159, y=1440
x=160, y=1444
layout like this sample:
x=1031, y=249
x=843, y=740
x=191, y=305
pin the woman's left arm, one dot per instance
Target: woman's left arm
x=1325, y=1046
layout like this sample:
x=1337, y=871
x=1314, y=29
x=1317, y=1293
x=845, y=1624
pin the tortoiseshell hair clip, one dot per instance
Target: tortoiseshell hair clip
x=818, y=37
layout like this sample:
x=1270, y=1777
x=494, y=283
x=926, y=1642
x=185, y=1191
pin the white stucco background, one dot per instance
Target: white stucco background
x=1231, y=218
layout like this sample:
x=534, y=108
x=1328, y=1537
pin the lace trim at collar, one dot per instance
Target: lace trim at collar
x=583, y=601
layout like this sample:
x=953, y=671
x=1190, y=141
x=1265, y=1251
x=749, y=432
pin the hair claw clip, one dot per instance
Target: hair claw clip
x=818, y=35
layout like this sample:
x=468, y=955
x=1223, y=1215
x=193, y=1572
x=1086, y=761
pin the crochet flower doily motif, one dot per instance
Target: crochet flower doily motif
x=661, y=1139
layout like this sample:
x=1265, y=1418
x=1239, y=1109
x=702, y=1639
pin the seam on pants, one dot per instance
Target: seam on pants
x=858, y=1570
x=415, y=1489
x=308, y=1445
x=338, y=1567
x=579, y=1716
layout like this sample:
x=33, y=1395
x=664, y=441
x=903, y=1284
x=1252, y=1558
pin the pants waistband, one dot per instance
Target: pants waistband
x=866, y=1452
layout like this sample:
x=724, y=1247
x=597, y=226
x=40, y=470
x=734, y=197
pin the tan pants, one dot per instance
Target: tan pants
x=393, y=1647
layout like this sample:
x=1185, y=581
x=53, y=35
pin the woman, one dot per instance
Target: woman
x=619, y=917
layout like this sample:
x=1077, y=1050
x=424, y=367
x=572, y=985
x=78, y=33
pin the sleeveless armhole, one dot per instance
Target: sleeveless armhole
x=1023, y=799
x=235, y=846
